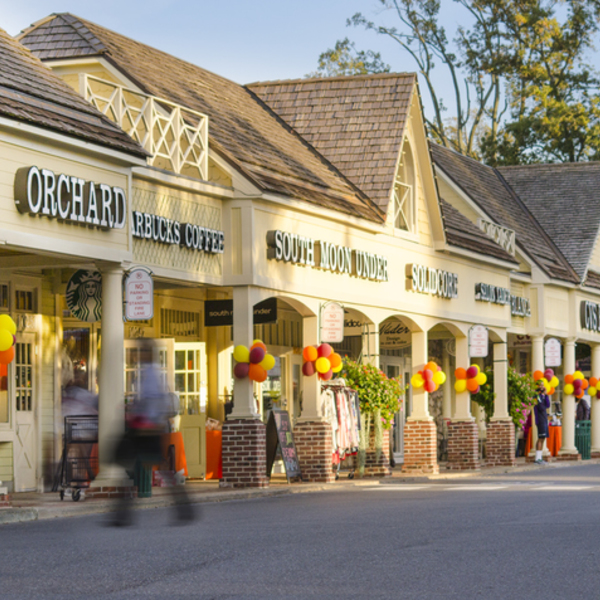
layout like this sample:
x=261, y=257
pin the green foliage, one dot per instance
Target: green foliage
x=344, y=59
x=378, y=394
x=521, y=396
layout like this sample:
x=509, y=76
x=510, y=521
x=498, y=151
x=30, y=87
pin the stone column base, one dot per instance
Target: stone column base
x=463, y=446
x=244, y=454
x=500, y=444
x=595, y=454
x=568, y=456
x=420, y=447
x=378, y=466
x=315, y=450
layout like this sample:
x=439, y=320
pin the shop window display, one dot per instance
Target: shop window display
x=4, y=402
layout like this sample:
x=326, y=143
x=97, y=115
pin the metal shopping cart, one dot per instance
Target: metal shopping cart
x=79, y=463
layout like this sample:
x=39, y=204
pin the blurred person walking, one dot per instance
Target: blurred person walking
x=541, y=421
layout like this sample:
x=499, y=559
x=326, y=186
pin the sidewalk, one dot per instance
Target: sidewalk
x=33, y=506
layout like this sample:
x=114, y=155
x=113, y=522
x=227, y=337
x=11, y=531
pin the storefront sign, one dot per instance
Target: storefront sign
x=478, y=341
x=552, y=353
x=84, y=296
x=503, y=236
x=280, y=433
x=590, y=316
x=332, y=323
x=394, y=334
x=519, y=306
x=485, y=292
x=167, y=231
x=220, y=312
x=139, y=295
x=296, y=249
x=67, y=198
x=436, y=282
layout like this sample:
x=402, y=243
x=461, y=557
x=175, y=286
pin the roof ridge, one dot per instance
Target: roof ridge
x=560, y=165
x=334, y=78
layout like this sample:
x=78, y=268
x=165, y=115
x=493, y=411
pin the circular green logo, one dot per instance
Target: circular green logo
x=84, y=295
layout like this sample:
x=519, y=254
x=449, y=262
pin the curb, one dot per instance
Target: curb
x=18, y=515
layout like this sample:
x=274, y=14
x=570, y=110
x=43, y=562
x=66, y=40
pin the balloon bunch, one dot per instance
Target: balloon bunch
x=470, y=379
x=322, y=360
x=594, y=386
x=549, y=379
x=576, y=384
x=253, y=362
x=431, y=377
x=8, y=329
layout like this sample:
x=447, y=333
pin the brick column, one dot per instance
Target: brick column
x=463, y=445
x=244, y=454
x=378, y=466
x=500, y=446
x=420, y=447
x=315, y=449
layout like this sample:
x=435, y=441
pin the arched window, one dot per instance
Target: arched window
x=404, y=192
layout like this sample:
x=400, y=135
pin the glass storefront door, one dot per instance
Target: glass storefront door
x=397, y=366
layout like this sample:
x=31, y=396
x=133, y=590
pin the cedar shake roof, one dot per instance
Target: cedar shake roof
x=463, y=233
x=241, y=127
x=592, y=279
x=564, y=199
x=486, y=187
x=32, y=93
x=356, y=122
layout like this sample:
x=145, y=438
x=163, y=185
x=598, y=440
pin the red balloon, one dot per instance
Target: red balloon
x=257, y=355
x=241, y=370
x=324, y=350
x=308, y=369
x=326, y=376
x=430, y=386
x=548, y=374
x=427, y=374
x=471, y=372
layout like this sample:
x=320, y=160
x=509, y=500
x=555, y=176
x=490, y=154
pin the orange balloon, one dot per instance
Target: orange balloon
x=257, y=373
x=585, y=384
x=472, y=385
x=593, y=382
x=537, y=375
x=258, y=344
x=552, y=390
x=309, y=354
x=568, y=378
x=335, y=359
x=7, y=356
x=460, y=373
x=580, y=395
x=432, y=366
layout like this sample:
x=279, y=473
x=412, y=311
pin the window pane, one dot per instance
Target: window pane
x=4, y=394
x=179, y=360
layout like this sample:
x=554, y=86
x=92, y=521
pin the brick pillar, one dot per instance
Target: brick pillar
x=500, y=445
x=244, y=454
x=315, y=449
x=374, y=466
x=420, y=447
x=463, y=445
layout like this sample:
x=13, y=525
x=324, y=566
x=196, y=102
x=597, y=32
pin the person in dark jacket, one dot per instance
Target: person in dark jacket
x=541, y=421
x=583, y=409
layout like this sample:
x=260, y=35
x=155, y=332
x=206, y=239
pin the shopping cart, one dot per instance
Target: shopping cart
x=79, y=462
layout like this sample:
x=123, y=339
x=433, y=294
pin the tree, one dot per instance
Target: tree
x=521, y=89
x=344, y=59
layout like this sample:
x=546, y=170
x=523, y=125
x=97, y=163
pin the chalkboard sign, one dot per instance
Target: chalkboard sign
x=279, y=433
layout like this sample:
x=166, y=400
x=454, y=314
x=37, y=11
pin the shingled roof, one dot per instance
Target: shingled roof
x=486, y=187
x=31, y=93
x=564, y=199
x=241, y=127
x=356, y=122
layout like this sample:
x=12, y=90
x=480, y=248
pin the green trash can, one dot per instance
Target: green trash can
x=142, y=478
x=583, y=438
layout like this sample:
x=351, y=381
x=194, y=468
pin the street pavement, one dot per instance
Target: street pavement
x=533, y=534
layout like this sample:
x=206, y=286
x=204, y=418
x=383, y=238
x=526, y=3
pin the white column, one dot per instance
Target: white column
x=568, y=404
x=500, y=382
x=420, y=398
x=311, y=386
x=111, y=401
x=447, y=387
x=595, y=401
x=244, y=405
x=537, y=364
x=462, y=408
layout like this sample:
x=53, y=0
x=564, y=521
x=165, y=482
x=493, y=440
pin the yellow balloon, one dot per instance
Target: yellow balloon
x=592, y=391
x=268, y=362
x=569, y=389
x=439, y=377
x=322, y=365
x=460, y=385
x=481, y=378
x=578, y=375
x=6, y=340
x=7, y=323
x=241, y=354
x=554, y=382
x=338, y=368
x=417, y=381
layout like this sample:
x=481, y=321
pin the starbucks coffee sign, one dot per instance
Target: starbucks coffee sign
x=84, y=295
x=40, y=192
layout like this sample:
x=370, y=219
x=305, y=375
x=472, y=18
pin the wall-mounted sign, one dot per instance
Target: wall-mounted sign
x=522, y=341
x=67, y=198
x=478, y=341
x=519, y=306
x=436, y=282
x=332, y=323
x=504, y=237
x=296, y=249
x=552, y=353
x=590, y=316
x=84, y=295
x=139, y=295
x=167, y=231
x=220, y=312
x=394, y=334
x=485, y=292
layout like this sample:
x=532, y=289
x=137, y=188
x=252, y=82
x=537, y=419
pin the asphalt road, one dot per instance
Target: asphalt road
x=532, y=535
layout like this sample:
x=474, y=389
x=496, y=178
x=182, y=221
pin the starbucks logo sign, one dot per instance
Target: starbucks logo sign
x=84, y=296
